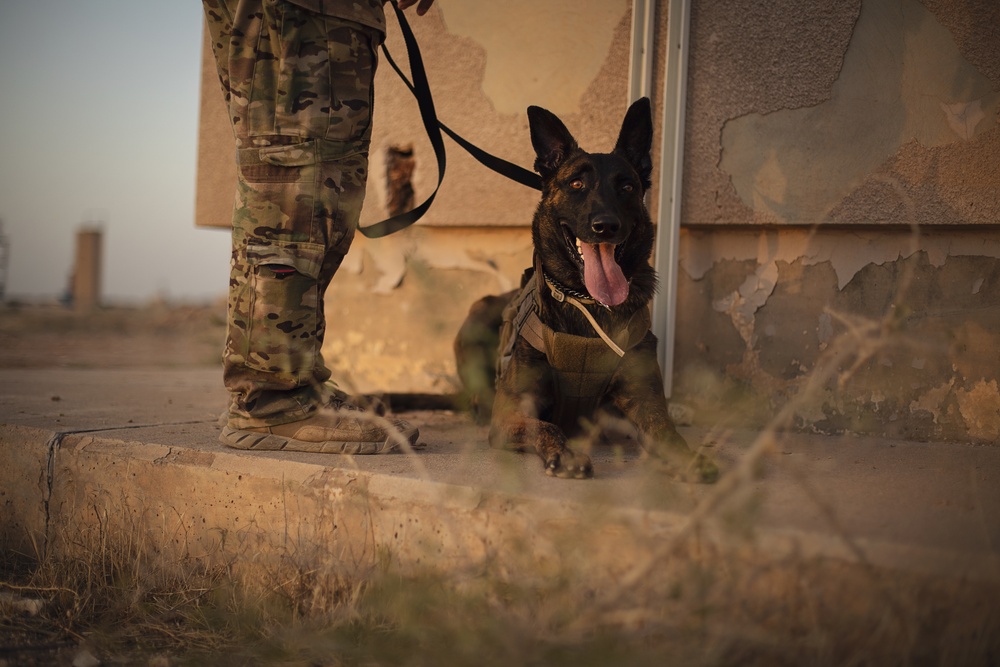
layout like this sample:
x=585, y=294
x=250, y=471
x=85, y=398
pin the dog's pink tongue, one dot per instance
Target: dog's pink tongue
x=602, y=275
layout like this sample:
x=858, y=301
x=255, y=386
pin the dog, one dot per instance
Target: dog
x=575, y=340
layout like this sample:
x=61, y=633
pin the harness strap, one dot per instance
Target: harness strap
x=422, y=93
x=522, y=319
x=532, y=329
x=516, y=324
x=597, y=327
x=560, y=296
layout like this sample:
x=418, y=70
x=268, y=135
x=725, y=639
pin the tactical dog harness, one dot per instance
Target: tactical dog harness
x=582, y=365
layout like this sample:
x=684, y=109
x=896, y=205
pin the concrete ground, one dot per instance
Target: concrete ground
x=108, y=448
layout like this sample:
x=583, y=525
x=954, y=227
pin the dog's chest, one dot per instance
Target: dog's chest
x=581, y=367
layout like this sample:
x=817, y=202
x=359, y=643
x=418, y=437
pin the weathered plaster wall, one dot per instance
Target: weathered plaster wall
x=882, y=111
x=819, y=136
x=518, y=36
x=757, y=310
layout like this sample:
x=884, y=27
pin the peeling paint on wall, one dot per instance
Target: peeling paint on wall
x=980, y=407
x=499, y=256
x=751, y=295
x=933, y=400
x=848, y=252
x=903, y=79
x=934, y=300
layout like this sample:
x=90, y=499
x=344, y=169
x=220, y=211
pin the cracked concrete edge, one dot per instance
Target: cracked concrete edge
x=24, y=487
x=64, y=494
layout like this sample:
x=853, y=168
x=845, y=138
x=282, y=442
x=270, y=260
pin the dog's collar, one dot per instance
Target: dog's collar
x=577, y=300
x=560, y=292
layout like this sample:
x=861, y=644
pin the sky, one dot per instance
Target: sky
x=98, y=125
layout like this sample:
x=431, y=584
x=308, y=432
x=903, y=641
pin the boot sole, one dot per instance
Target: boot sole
x=253, y=441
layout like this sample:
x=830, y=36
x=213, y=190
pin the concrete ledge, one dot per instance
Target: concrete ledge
x=841, y=512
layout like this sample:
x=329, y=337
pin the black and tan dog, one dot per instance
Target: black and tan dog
x=575, y=339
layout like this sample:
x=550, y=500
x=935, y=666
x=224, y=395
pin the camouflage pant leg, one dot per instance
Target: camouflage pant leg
x=298, y=88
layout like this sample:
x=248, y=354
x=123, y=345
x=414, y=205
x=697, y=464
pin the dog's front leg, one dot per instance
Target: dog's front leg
x=522, y=433
x=637, y=391
x=524, y=393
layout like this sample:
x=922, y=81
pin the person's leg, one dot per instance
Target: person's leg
x=298, y=89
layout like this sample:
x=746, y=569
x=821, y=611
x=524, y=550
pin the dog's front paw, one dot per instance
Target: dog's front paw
x=673, y=457
x=687, y=466
x=567, y=464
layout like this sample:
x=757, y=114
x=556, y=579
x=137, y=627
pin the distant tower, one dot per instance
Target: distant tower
x=86, y=286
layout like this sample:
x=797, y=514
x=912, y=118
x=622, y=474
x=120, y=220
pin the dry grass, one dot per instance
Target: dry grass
x=124, y=607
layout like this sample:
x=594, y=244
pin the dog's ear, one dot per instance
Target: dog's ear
x=636, y=139
x=551, y=140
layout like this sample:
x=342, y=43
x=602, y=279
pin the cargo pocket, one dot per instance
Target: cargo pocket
x=278, y=190
x=282, y=323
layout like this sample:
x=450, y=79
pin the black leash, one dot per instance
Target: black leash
x=422, y=93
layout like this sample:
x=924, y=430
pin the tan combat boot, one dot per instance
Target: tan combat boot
x=346, y=430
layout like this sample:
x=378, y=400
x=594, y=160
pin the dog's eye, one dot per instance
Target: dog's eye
x=628, y=187
x=576, y=184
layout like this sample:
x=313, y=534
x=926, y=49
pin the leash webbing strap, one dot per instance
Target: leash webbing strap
x=503, y=167
x=422, y=92
x=425, y=102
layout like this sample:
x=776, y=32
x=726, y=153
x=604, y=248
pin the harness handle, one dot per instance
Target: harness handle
x=425, y=102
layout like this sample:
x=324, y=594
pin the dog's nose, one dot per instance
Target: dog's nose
x=605, y=225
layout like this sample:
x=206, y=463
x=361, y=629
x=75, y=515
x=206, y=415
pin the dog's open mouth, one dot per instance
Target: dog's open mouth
x=598, y=262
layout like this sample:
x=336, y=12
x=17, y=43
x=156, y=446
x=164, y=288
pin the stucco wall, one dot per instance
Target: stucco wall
x=841, y=182
x=881, y=112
